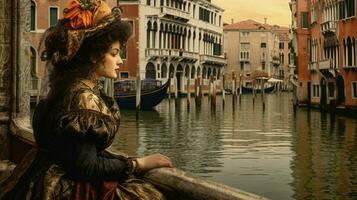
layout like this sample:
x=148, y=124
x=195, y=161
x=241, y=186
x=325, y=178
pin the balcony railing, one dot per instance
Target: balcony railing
x=329, y=27
x=276, y=62
x=165, y=10
x=246, y=60
x=154, y=52
x=325, y=64
x=312, y=66
x=213, y=59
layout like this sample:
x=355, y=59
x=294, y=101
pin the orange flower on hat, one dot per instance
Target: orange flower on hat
x=79, y=14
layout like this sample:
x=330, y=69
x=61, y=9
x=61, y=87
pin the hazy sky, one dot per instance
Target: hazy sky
x=276, y=11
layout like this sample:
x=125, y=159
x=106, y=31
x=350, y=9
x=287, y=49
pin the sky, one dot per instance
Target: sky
x=276, y=11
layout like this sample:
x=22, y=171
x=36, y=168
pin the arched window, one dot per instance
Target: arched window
x=150, y=71
x=198, y=72
x=154, y=31
x=349, y=52
x=164, y=71
x=172, y=71
x=209, y=73
x=33, y=16
x=187, y=71
x=193, y=72
x=204, y=73
x=148, y=35
x=148, y=2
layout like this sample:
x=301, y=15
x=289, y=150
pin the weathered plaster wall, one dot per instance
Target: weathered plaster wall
x=14, y=65
x=5, y=69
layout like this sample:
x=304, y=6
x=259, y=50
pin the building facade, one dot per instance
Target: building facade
x=325, y=36
x=181, y=39
x=254, y=46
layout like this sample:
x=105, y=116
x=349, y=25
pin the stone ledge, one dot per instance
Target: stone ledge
x=174, y=182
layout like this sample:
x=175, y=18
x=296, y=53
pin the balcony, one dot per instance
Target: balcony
x=325, y=64
x=275, y=61
x=174, y=13
x=312, y=66
x=245, y=60
x=209, y=59
x=329, y=27
x=173, y=54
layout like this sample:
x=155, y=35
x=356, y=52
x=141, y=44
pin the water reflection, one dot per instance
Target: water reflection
x=325, y=162
x=270, y=151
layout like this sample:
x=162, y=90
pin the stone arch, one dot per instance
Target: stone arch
x=148, y=33
x=150, y=71
x=171, y=70
x=340, y=97
x=204, y=73
x=323, y=97
x=163, y=70
x=187, y=71
x=193, y=72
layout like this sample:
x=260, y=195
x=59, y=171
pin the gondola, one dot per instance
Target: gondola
x=152, y=93
x=249, y=90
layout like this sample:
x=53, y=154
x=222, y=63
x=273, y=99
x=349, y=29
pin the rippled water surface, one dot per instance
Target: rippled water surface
x=270, y=151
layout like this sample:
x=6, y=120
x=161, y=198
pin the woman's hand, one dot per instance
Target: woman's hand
x=153, y=161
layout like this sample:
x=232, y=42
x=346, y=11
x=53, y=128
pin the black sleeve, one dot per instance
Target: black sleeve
x=85, y=163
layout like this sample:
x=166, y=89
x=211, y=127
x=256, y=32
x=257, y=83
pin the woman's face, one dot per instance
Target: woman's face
x=111, y=62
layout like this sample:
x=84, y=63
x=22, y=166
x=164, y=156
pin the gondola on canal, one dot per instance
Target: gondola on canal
x=152, y=93
x=249, y=90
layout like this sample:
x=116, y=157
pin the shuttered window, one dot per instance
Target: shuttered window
x=53, y=16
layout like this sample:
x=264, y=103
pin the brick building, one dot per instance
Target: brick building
x=324, y=37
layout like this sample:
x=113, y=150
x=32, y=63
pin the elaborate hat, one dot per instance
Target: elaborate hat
x=85, y=19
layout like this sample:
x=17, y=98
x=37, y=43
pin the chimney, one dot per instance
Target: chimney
x=232, y=21
x=265, y=20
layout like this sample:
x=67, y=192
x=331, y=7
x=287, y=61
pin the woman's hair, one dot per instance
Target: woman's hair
x=85, y=62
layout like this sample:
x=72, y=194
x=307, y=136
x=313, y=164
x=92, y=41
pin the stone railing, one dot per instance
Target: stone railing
x=174, y=12
x=312, y=66
x=325, y=64
x=175, y=183
x=213, y=59
x=329, y=27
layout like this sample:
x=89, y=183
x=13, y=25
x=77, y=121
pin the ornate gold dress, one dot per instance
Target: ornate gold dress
x=70, y=161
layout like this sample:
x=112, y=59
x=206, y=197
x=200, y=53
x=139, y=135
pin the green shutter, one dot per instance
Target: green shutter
x=53, y=16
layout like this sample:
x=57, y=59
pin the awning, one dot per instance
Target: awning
x=274, y=80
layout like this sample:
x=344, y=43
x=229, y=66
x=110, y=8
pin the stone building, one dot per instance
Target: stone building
x=324, y=34
x=178, y=38
x=256, y=46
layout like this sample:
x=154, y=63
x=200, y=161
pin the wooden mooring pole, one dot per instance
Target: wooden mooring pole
x=188, y=94
x=223, y=90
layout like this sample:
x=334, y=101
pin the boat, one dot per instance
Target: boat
x=152, y=93
x=249, y=90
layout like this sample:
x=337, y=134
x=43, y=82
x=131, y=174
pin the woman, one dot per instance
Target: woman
x=77, y=121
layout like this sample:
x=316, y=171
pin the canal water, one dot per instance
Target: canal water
x=270, y=151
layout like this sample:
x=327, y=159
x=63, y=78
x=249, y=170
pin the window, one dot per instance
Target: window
x=242, y=66
x=263, y=65
x=316, y=91
x=263, y=45
x=354, y=90
x=148, y=2
x=124, y=75
x=53, y=16
x=33, y=16
x=304, y=20
x=281, y=45
x=245, y=45
x=331, y=89
x=123, y=52
x=244, y=34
